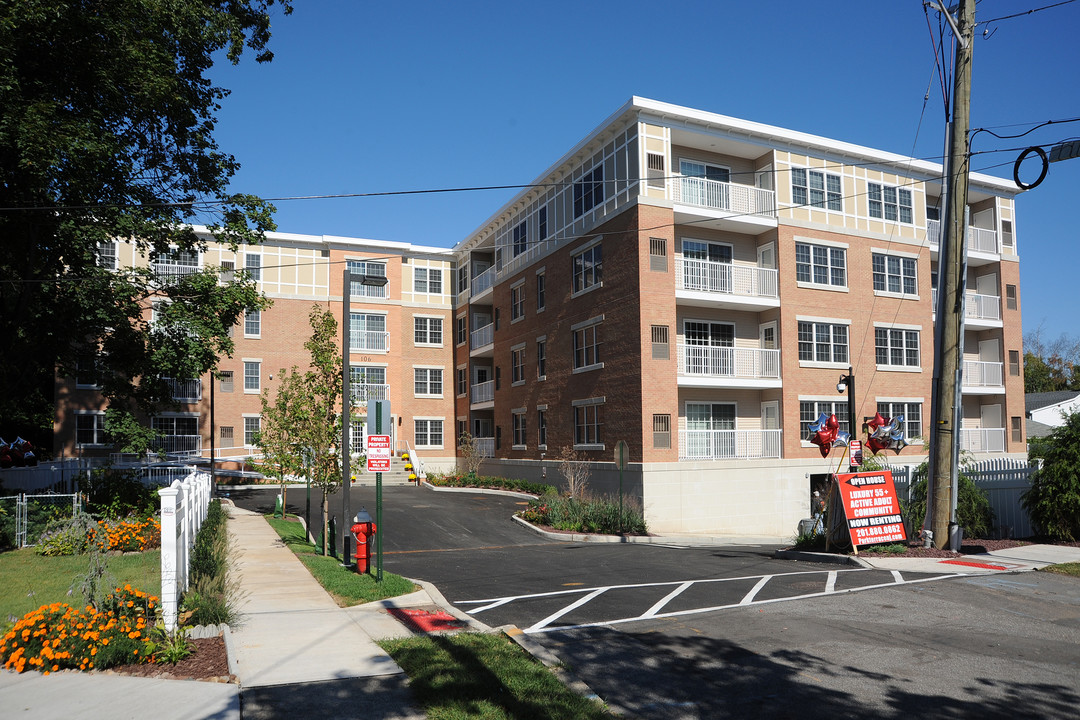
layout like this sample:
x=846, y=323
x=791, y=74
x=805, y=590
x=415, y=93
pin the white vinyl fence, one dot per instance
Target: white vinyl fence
x=183, y=508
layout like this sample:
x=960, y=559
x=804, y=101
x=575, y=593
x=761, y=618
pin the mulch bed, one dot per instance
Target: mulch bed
x=209, y=662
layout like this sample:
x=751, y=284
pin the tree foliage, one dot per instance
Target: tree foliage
x=973, y=511
x=106, y=132
x=1053, y=500
x=1051, y=366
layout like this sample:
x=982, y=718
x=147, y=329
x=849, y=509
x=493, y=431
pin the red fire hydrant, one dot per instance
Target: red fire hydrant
x=362, y=529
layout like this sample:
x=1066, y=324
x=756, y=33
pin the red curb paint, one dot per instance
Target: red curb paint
x=426, y=622
x=968, y=563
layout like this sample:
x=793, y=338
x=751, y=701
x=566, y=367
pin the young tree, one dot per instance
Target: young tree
x=306, y=415
x=577, y=471
x=1053, y=500
x=106, y=132
x=469, y=449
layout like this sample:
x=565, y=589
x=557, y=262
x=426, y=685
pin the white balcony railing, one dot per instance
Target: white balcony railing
x=732, y=197
x=369, y=340
x=725, y=278
x=185, y=390
x=984, y=374
x=483, y=392
x=482, y=336
x=731, y=444
x=982, y=439
x=483, y=281
x=179, y=444
x=174, y=271
x=363, y=393
x=486, y=447
x=978, y=239
x=976, y=306
x=728, y=362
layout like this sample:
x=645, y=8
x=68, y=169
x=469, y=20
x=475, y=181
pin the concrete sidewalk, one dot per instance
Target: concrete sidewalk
x=1015, y=559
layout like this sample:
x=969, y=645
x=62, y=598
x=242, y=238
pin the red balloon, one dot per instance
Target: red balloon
x=824, y=449
x=876, y=445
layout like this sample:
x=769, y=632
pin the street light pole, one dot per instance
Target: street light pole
x=346, y=412
x=849, y=381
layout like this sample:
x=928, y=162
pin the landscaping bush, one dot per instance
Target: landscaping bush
x=209, y=600
x=588, y=514
x=973, y=511
x=1053, y=500
x=467, y=480
x=74, y=536
x=116, y=494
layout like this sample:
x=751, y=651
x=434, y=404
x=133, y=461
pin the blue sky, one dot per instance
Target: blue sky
x=374, y=97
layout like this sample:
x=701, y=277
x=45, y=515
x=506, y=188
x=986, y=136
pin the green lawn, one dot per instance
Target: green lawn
x=471, y=675
x=344, y=585
x=31, y=580
x=1072, y=568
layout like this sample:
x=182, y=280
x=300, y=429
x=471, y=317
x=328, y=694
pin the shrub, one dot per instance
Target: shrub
x=498, y=483
x=117, y=494
x=1053, y=500
x=209, y=600
x=74, y=536
x=973, y=511
x=587, y=514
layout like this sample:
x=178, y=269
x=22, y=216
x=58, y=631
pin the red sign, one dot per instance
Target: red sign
x=871, y=508
x=378, y=453
x=855, y=450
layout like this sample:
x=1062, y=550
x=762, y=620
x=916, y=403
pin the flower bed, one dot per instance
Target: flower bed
x=58, y=636
x=75, y=537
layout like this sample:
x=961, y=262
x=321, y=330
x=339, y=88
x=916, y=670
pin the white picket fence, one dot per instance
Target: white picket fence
x=184, y=504
x=1003, y=479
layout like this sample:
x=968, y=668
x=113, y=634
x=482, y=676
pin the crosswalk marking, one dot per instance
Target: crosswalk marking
x=666, y=599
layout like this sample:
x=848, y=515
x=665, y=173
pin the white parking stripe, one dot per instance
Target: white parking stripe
x=830, y=582
x=897, y=577
x=749, y=598
x=666, y=599
x=569, y=608
x=493, y=605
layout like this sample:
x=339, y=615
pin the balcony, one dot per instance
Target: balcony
x=984, y=440
x=483, y=281
x=985, y=378
x=483, y=392
x=486, y=446
x=731, y=444
x=172, y=270
x=707, y=366
x=179, y=444
x=725, y=196
x=185, y=391
x=716, y=284
x=363, y=393
x=978, y=239
x=482, y=338
x=369, y=341
x=980, y=311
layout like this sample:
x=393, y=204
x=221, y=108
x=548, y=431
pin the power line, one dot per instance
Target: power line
x=1024, y=13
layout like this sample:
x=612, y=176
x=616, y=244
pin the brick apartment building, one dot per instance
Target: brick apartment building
x=686, y=282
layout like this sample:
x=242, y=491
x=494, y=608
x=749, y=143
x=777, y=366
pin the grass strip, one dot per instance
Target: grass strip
x=346, y=586
x=472, y=675
x=1071, y=568
x=31, y=580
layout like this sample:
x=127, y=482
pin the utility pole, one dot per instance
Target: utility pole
x=949, y=329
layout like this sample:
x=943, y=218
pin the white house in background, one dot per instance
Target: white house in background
x=1046, y=411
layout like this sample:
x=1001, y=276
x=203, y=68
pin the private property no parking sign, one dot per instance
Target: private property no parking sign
x=871, y=508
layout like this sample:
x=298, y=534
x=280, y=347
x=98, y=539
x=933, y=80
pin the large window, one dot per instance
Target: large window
x=912, y=412
x=253, y=323
x=896, y=348
x=106, y=255
x=519, y=428
x=895, y=274
x=588, y=422
x=367, y=332
x=889, y=203
x=541, y=290
x=541, y=426
x=252, y=426
x=252, y=377
x=462, y=330
x=428, y=433
x=541, y=359
x=521, y=239
x=367, y=382
x=361, y=267
x=588, y=268
x=589, y=191
x=517, y=302
x=427, y=280
x=586, y=347
x=253, y=265
x=462, y=382
x=90, y=429
x=820, y=264
x=816, y=188
x=810, y=411
x=517, y=366
x=427, y=331
x=823, y=342
x=427, y=381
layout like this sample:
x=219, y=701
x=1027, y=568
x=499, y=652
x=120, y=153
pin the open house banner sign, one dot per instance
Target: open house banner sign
x=871, y=508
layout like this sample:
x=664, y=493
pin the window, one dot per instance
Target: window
x=896, y=348
x=521, y=238
x=519, y=429
x=1010, y=297
x=253, y=264
x=586, y=347
x=228, y=271
x=252, y=381
x=541, y=359
x=106, y=255
x=1014, y=363
x=589, y=191
x=889, y=203
x=912, y=412
x=225, y=434
x=710, y=430
x=699, y=184
x=661, y=432
x=462, y=381
x=588, y=269
x=428, y=433
x=427, y=381
x=462, y=330
x=809, y=411
x=253, y=323
x=1017, y=433
x=427, y=280
x=541, y=427
x=894, y=274
x=656, y=170
x=225, y=378
x=820, y=265
x=367, y=382
x=175, y=264
x=178, y=433
x=816, y=188
x=252, y=426
x=427, y=331
x=517, y=302
x=463, y=278
x=823, y=342
x=658, y=254
x=517, y=366
x=541, y=223
x=367, y=332
x=87, y=371
x=1006, y=234
x=541, y=289
x=588, y=421
x=90, y=429
x=661, y=347
x=361, y=267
